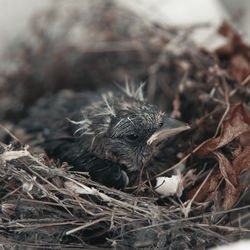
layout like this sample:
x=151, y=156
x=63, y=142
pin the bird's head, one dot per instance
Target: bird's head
x=122, y=127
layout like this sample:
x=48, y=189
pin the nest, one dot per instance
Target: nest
x=45, y=205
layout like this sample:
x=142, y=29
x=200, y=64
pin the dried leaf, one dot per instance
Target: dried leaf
x=207, y=189
x=240, y=67
x=242, y=162
x=226, y=169
x=231, y=196
x=236, y=51
x=233, y=39
x=245, y=139
x=237, y=124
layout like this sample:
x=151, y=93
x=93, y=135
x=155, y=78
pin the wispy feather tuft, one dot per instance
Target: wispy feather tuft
x=134, y=91
x=84, y=126
x=109, y=109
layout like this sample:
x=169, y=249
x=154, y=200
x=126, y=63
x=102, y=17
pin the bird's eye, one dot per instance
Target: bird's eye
x=132, y=137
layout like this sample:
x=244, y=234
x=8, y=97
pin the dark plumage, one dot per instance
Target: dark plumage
x=107, y=134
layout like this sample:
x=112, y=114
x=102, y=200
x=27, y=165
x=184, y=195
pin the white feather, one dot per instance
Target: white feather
x=109, y=110
x=133, y=91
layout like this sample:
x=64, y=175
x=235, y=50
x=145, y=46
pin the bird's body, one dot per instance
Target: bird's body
x=109, y=134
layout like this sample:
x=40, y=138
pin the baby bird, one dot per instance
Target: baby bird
x=108, y=134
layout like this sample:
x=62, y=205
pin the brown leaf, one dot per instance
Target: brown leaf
x=226, y=31
x=207, y=189
x=240, y=67
x=245, y=139
x=231, y=195
x=242, y=162
x=226, y=169
x=236, y=52
x=237, y=123
x=233, y=40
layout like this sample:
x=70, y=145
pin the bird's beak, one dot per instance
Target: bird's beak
x=170, y=127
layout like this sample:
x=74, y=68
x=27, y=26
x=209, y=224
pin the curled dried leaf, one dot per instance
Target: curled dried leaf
x=237, y=124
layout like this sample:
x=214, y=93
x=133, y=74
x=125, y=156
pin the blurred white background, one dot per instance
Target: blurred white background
x=15, y=15
x=14, y=18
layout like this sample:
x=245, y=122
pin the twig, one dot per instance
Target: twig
x=87, y=224
x=9, y=132
x=227, y=105
x=186, y=219
x=187, y=209
x=245, y=81
x=228, y=228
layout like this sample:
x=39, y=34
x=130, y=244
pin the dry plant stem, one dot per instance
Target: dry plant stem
x=187, y=209
x=141, y=172
x=49, y=183
x=11, y=193
x=246, y=81
x=150, y=187
x=68, y=205
x=176, y=102
x=42, y=178
x=46, y=202
x=188, y=219
x=208, y=231
x=214, y=112
x=9, y=132
x=228, y=228
x=85, y=225
x=223, y=217
x=87, y=210
x=150, y=184
x=239, y=219
x=110, y=199
x=39, y=225
x=22, y=244
x=227, y=105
